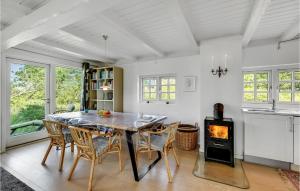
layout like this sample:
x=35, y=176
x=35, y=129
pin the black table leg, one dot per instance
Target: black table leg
x=130, y=144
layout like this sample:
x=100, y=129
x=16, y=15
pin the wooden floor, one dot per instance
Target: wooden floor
x=25, y=163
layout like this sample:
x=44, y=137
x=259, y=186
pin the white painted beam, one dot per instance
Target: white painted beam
x=293, y=31
x=73, y=50
x=175, y=9
x=38, y=47
x=259, y=9
x=114, y=20
x=51, y=17
x=93, y=42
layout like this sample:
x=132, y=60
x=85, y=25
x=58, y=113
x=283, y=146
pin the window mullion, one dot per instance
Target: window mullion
x=255, y=83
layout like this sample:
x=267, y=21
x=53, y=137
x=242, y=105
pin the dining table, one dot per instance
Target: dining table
x=130, y=123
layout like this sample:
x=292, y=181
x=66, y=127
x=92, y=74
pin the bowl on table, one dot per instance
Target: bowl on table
x=104, y=113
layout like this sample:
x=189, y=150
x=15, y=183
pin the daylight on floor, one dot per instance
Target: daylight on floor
x=142, y=95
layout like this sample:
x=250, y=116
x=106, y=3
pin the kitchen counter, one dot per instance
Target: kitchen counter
x=266, y=111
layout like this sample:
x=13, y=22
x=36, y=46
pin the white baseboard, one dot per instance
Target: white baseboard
x=295, y=167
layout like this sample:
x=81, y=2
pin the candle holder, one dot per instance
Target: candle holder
x=219, y=71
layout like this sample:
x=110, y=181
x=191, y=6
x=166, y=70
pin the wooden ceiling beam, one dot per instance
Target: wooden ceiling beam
x=114, y=20
x=93, y=42
x=174, y=7
x=73, y=50
x=258, y=11
x=292, y=31
x=49, y=18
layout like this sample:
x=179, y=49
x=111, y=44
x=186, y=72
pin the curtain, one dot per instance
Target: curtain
x=84, y=91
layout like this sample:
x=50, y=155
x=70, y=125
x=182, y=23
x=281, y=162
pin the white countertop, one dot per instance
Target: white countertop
x=267, y=111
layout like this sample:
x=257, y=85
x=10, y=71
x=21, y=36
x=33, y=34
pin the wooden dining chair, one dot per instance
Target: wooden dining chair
x=93, y=146
x=60, y=136
x=161, y=140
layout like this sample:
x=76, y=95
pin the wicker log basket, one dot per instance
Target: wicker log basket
x=187, y=136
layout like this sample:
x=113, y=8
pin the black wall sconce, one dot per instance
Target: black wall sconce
x=219, y=71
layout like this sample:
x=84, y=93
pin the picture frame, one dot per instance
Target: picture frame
x=189, y=83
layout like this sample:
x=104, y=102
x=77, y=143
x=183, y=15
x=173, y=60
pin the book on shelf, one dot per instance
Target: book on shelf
x=94, y=75
x=106, y=74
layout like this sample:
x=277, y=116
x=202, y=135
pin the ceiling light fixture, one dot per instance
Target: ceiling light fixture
x=105, y=37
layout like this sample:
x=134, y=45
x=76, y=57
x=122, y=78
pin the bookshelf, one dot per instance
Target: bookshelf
x=106, y=89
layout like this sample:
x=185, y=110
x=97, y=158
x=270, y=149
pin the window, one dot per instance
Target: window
x=150, y=89
x=167, y=88
x=158, y=88
x=68, y=88
x=289, y=86
x=257, y=86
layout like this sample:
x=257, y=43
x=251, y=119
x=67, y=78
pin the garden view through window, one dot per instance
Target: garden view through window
x=256, y=86
x=289, y=86
x=68, y=88
x=158, y=88
x=29, y=101
x=27, y=98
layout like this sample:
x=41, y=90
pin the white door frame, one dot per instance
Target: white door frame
x=11, y=141
x=2, y=102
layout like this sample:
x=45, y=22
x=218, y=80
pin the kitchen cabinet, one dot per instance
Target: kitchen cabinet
x=296, y=140
x=269, y=136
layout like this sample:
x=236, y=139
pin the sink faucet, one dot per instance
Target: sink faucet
x=273, y=104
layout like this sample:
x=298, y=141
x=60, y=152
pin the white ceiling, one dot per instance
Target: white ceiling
x=280, y=16
x=140, y=29
x=211, y=19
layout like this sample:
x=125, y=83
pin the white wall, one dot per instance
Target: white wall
x=192, y=107
x=227, y=89
x=269, y=54
x=187, y=105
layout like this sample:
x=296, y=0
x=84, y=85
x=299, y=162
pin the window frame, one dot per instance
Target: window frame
x=158, y=79
x=293, y=90
x=269, y=91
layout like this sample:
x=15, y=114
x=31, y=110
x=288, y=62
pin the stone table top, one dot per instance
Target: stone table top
x=118, y=120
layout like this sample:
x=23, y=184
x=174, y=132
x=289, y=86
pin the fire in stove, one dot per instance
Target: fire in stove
x=218, y=132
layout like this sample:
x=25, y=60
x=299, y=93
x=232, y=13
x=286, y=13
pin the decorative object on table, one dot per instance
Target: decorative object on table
x=221, y=173
x=104, y=113
x=218, y=111
x=219, y=71
x=93, y=149
x=161, y=141
x=187, y=136
x=10, y=182
x=189, y=83
x=59, y=135
x=146, y=118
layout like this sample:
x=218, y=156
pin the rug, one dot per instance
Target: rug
x=292, y=176
x=8, y=182
x=221, y=173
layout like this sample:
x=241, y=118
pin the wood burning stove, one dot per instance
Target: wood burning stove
x=219, y=140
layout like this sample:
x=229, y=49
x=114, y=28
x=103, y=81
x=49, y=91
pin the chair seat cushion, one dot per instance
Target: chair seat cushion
x=100, y=144
x=67, y=135
x=157, y=141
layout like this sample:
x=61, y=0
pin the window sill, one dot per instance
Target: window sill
x=158, y=102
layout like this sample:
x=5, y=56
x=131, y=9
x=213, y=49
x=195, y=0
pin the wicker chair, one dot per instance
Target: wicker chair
x=60, y=136
x=158, y=140
x=93, y=148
